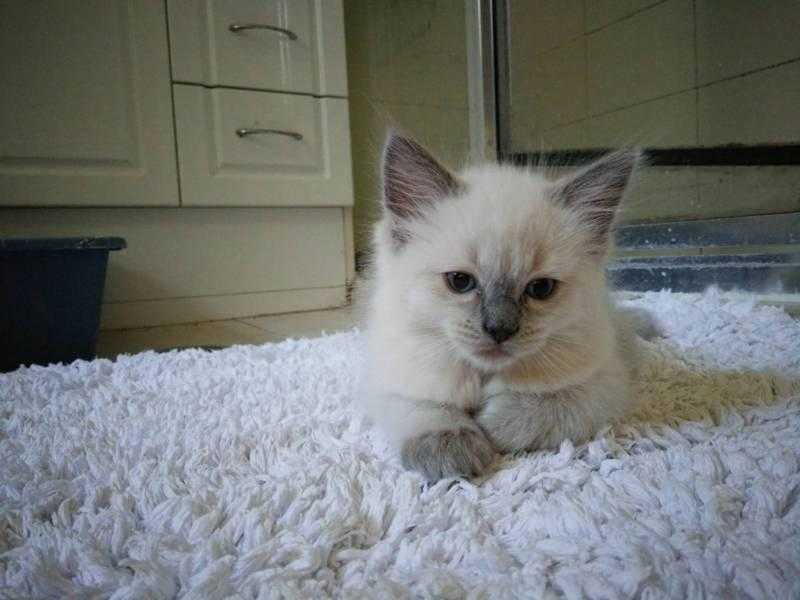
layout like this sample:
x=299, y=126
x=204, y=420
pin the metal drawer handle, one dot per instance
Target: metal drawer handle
x=236, y=28
x=292, y=134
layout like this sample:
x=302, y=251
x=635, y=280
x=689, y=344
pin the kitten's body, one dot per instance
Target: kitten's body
x=453, y=376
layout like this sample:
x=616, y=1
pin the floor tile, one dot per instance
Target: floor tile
x=305, y=324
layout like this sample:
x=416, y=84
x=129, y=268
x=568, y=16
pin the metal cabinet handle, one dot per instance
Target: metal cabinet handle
x=243, y=132
x=237, y=27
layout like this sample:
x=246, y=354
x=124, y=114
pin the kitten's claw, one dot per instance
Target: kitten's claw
x=461, y=453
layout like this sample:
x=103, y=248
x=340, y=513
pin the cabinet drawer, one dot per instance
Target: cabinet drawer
x=85, y=105
x=220, y=167
x=311, y=59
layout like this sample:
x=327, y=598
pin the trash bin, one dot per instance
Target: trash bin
x=50, y=292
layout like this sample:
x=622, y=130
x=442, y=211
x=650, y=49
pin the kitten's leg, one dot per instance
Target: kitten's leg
x=435, y=440
x=514, y=420
x=518, y=419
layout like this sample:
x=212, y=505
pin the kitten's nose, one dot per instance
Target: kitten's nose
x=500, y=332
x=500, y=317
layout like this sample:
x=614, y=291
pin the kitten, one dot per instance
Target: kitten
x=488, y=320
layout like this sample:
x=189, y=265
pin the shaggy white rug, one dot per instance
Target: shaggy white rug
x=246, y=473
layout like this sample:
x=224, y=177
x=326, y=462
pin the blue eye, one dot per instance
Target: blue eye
x=459, y=282
x=540, y=289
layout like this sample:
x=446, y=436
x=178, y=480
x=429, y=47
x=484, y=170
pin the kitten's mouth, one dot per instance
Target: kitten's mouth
x=493, y=352
x=492, y=357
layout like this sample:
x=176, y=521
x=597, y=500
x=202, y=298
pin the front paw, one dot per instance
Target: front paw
x=439, y=454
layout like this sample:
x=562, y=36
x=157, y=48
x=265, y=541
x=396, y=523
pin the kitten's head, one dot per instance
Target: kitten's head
x=495, y=261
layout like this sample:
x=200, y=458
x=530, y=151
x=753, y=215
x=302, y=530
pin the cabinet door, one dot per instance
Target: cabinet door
x=276, y=45
x=86, y=107
x=246, y=148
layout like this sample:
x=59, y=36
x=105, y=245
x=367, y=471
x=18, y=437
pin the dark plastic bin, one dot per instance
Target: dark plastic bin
x=50, y=292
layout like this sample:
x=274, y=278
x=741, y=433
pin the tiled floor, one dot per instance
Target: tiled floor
x=256, y=330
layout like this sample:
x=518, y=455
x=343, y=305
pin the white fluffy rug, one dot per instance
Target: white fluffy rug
x=246, y=473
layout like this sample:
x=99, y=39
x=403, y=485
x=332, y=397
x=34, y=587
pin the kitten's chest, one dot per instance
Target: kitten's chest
x=467, y=386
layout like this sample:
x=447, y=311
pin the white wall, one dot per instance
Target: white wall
x=669, y=73
x=407, y=67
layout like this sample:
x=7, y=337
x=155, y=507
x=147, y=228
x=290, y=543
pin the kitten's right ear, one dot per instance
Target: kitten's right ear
x=596, y=191
x=412, y=178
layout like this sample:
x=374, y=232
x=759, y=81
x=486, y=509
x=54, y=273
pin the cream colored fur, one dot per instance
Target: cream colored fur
x=562, y=376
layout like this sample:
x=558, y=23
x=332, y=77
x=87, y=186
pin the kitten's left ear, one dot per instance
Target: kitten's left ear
x=596, y=190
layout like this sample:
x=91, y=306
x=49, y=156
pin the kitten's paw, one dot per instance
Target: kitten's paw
x=440, y=454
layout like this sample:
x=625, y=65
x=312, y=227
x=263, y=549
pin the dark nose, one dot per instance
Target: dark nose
x=500, y=318
x=500, y=332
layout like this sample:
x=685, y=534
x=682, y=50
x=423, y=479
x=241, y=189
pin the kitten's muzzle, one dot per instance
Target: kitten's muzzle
x=500, y=316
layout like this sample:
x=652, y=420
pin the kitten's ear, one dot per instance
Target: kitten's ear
x=597, y=189
x=412, y=178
